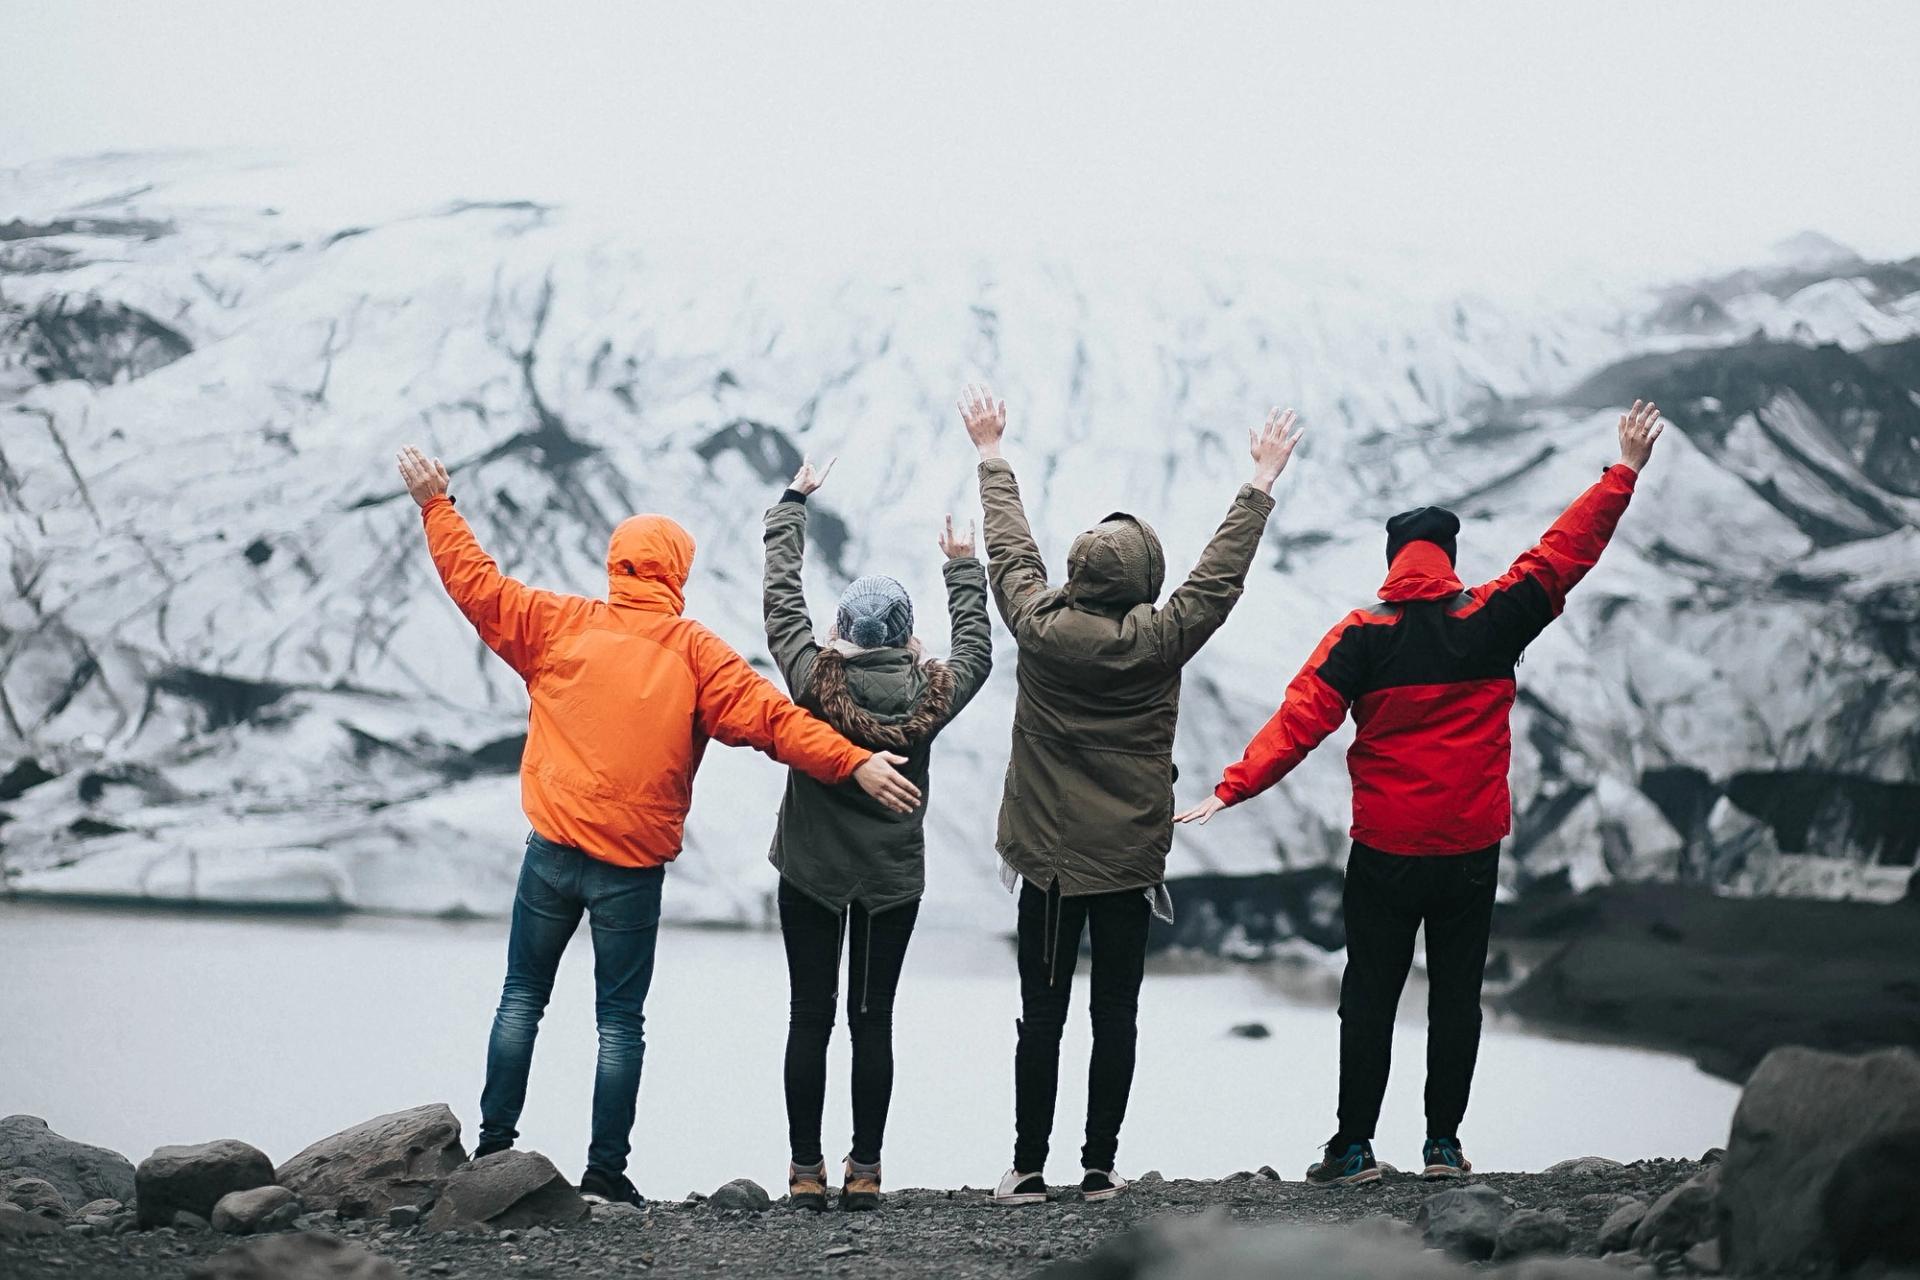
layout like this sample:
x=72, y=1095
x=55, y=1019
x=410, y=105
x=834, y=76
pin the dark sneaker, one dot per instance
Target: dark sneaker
x=598, y=1187
x=807, y=1188
x=1444, y=1159
x=1020, y=1188
x=491, y=1148
x=1345, y=1165
x=1101, y=1184
x=859, y=1186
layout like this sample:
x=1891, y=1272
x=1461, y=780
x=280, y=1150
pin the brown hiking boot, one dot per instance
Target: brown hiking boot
x=861, y=1189
x=807, y=1188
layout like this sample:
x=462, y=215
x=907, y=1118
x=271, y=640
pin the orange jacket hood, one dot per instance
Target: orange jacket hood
x=1420, y=572
x=648, y=560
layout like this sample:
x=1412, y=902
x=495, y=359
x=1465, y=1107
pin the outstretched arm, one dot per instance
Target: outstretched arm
x=783, y=598
x=512, y=618
x=1199, y=606
x=1014, y=565
x=971, y=657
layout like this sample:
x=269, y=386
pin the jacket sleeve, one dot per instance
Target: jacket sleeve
x=514, y=620
x=737, y=706
x=971, y=657
x=1315, y=704
x=1014, y=566
x=1522, y=601
x=783, y=599
x=1199, y=606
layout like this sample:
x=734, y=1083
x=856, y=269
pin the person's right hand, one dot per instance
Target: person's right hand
x=956, y=547
x=806, y=479
x=878, y=778
x=1202, y=813
x=986, y=419
x=1640, y=426
x=1272, y=445
x=425, y=478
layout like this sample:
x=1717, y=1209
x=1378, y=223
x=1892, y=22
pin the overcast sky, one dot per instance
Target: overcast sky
x=1556, y=131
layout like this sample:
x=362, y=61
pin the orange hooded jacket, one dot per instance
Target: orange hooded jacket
x=625, y=692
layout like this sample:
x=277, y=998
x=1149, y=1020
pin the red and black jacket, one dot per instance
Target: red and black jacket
x=1428, y=673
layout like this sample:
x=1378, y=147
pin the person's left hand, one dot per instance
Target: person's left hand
x=956, y=547
x=806, y=479
x=425, y=478
x=1203, y=812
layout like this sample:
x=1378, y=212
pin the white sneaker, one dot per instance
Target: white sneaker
x=1020, y=1188
x=1101, y=1184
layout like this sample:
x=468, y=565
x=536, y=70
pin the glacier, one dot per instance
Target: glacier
x=228, y=674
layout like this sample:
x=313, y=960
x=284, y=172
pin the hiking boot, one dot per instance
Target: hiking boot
x=1444, y=1160
x=807, y=1188
x=492, y=1148
x=1101, y=1184
x=1345, y=1164
x=860, y=1186
x=1020, y=1188
x=600, y=1187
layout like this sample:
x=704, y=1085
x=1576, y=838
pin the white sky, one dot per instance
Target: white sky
x=1562, y=132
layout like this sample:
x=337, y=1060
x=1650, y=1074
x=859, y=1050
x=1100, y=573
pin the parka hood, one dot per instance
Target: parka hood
x=1421, y=571
x=1116, y=564
x=648, y=559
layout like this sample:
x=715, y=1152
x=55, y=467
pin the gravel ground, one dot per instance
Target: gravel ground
x=918, y=1234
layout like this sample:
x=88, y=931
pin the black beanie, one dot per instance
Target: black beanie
x=1422, y=524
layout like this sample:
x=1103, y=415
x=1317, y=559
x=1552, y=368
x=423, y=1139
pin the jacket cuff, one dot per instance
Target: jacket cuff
x=1225, y=794
x=435, y=501
x=963, y=564
x=793, y=495
x=1259, y=499
x=1623, y=474
x=988, y=465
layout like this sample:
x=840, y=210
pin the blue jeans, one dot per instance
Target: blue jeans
x=557, y=883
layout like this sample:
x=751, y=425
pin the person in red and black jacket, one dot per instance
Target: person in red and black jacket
x=1428, y=673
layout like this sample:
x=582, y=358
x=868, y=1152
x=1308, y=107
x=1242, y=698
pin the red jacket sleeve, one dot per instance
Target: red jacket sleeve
x=736, y=705
x=514, y=620
x=1315, y=704
x=1528, y=596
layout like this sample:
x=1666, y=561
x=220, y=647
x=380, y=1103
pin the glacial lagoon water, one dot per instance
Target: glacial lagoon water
x=133, y=1029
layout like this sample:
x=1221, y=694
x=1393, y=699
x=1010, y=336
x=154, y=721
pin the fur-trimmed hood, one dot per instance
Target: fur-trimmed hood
x=926, y=712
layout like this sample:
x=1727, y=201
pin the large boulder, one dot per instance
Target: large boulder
x=1531, y=1231
x=396, y=1159
x=1871, y=1209
x=37, y=1195
x=241, y=1213
x=77, y=1171
x=1683, y=1217
x=191, y=1179
x=1465, y=1221
x=1801, y=1116
x=306, y=1255
x=506, y=1189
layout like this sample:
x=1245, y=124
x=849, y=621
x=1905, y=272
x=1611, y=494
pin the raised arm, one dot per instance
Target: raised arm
x=1522, y=601
x=735, y=705
x=1199, y=606
x=1014, y=565
x=512, y=618
x=971, y=657
x=783, y=598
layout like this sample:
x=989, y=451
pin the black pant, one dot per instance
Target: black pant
x=1388, y=897
x=1049, y=944
x=812, y=934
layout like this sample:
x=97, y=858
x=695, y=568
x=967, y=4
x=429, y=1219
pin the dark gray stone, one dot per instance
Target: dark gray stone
x=262, y=1209
x=17, y=1224
x=506, y=1189
x=1251, y=1031
x=1616, y=1233
x=1531, y=1231
x=185, y=1221
x=1681, y=1218
x=77, y=1171
x=301, y=1256
x=105, y=1207
x=37, y=1195
x=396, y=1159
x=1179, y=1251
x=1583, y=1167
x=1801, y=1115
x=742, y=1194
x=192, y=1179
x=1871, y=1207
x=1464, y=1221
x=1704, y=1258
x=403, y=1217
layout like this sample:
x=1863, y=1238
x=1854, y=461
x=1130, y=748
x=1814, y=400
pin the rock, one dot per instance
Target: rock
x=1250, y=1030
x=37, y=1195
x=396, y=1159
x=1567, y=1268
x=193, y=1178
x=1529, y=1231
x=1583, y=1167
x=1268, y=1172
x=77, y=1171
x=1177, y=1250
x=17, y=1224
x=262, y=1209
x=403, y=1217
x=301, y=1256
x=1713, y=1155
x=617, y=1211
x=1151, y=1177
x=1681, y=1218
x=1704, y=1257
x=1871, y=1207
x=1616, y=1233
x=1801, y=1115
x=186, y=1221
x=506, y=1189
x=1608, y=1200
x=742, y=1194
x=105, y=1207
x=1464, y=1221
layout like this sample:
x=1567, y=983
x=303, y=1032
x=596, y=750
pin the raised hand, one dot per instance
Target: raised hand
x=425, y=478
x=957, y=548
x=1272, y=444
x=878, y=778
x=986, y=419
x=1640, y=426
x=1202, y=813
x=806, y=479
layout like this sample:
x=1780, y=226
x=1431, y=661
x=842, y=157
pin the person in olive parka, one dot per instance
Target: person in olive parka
x=1086, y=819
x=850, y=867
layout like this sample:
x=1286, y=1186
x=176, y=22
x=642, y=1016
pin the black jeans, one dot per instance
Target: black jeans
x=1049, y=946
x=812, y=934
x=1388, y=897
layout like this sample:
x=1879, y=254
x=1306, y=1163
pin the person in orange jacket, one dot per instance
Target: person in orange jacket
x=625, y=693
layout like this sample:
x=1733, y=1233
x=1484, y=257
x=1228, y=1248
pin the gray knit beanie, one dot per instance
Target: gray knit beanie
x=875, y=613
